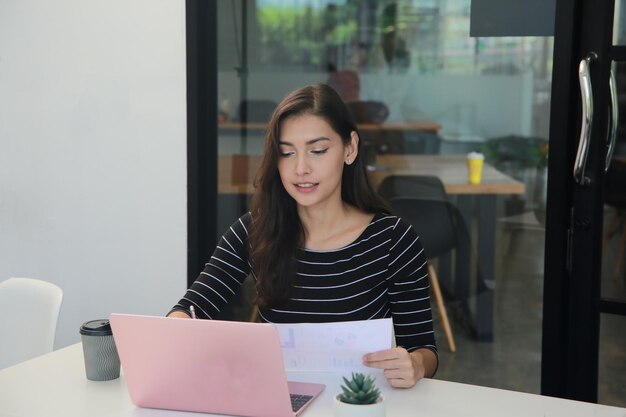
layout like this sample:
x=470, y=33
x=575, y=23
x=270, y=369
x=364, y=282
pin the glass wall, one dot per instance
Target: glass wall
x=424, y=94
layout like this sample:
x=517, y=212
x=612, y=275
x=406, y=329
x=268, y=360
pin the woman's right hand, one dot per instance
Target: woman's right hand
x=179, y=314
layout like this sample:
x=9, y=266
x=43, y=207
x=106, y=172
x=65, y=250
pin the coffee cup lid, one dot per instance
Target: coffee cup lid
x=96, y=328
x=475, y=155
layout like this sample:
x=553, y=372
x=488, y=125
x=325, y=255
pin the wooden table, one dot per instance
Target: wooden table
x=236, y=174
x=451, y=169
x=417, y=136
x=365, y=127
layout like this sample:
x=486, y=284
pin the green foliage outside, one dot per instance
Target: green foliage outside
x=304, y=33
x=517, y=152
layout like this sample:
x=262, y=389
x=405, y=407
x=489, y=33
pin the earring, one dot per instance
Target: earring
x=348, y=161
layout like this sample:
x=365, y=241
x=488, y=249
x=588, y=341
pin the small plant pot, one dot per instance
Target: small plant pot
x=377, y=409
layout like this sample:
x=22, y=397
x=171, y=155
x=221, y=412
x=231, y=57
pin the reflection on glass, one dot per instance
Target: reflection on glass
x=418, y=86
x=414, y=56
x=614, y=250
x=619, y=20
x=446, y=93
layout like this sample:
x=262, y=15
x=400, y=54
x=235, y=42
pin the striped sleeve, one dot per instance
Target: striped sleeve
x=223, y=275
x=408, y=290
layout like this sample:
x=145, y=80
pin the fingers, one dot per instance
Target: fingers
x=377, y=359
x=400, y=382
x=401, y=377
x=178, y=314
x=401, y=369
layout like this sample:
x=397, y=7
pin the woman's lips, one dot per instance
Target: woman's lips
x=306, y=187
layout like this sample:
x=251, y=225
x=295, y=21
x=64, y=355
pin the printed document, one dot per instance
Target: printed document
x=336, y=346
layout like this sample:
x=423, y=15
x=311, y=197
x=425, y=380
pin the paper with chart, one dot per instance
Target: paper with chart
x=333, y=346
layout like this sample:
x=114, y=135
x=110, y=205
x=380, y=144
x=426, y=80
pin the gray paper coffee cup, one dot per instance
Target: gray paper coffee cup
x=102, y=363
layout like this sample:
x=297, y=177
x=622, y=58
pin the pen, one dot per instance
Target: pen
x=192, y=310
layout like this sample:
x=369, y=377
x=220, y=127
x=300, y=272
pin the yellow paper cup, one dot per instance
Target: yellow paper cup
x=475, y=163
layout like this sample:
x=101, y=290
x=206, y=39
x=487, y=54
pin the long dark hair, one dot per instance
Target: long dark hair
x=276, y=233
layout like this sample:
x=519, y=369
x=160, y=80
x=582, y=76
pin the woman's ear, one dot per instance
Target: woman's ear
x=352, y=149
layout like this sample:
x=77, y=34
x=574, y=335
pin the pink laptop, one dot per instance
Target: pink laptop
x=209, y=366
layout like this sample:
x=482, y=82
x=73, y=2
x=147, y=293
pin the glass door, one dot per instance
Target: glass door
x=584, y=297
x=446, y=93
x=611, y=376
x=439, y=94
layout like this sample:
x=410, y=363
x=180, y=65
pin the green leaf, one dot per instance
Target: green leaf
x=359, y=379
x=351, y=401
x=367, y=385
x=369, y=397
x=354, y=386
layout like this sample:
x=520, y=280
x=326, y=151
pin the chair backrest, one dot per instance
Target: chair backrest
x=29, y=310
x=433, y=221
x=422, y=201
x=426, y=186
x=368, y=111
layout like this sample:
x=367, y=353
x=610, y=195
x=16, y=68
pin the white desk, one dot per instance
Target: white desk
x=54, y=385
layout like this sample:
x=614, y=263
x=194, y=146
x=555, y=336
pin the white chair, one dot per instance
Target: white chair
x=29, y=310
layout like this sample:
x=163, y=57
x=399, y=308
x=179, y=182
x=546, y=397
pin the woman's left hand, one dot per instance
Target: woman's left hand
x=401, y=368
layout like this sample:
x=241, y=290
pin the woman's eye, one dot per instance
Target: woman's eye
x=286, y=153
x=319, y=151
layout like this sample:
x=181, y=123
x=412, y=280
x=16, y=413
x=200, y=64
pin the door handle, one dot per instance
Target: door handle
x=614, y=121
x=586, y=95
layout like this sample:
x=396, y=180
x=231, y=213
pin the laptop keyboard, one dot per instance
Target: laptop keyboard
x=297, y=401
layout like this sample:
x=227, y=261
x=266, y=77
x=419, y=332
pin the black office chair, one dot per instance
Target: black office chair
x=412, y=185
x=422, y=201
x=375, y=113
x=368, y=111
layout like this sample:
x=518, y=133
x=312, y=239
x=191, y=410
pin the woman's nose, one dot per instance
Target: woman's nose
x=302, y=165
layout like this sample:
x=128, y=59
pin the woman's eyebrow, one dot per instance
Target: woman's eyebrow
x=308, y=142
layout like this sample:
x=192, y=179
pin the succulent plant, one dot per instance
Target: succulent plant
x=359, y=390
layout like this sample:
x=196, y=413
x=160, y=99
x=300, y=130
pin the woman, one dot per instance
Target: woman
x=320, y=243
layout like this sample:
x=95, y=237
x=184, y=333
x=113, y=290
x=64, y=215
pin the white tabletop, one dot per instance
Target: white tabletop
x=55, y=385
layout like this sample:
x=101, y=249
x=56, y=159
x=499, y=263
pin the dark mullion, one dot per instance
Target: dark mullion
x=201, y=31
x=563, y=111
x=617, y=307
x=618, y=53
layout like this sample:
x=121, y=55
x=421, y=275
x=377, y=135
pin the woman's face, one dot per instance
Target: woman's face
x=311, y=160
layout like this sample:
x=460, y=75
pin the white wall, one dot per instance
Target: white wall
x=93, y=153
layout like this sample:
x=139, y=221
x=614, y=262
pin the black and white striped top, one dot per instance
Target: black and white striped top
x=383, y=273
